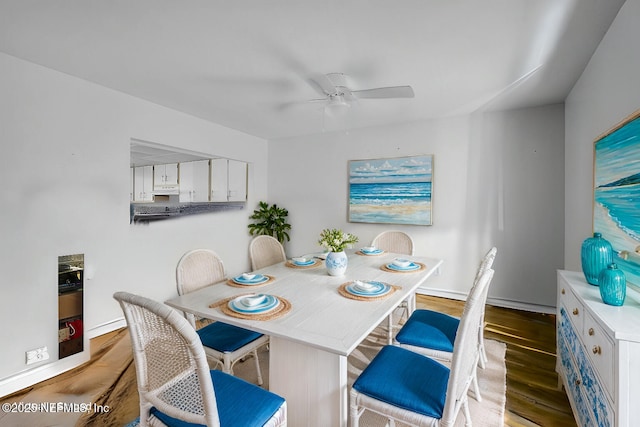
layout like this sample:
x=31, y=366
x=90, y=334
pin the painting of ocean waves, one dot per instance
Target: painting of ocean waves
x=392, y=191
x=617, y=195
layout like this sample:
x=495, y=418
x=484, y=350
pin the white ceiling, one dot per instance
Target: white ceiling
x=247, y=64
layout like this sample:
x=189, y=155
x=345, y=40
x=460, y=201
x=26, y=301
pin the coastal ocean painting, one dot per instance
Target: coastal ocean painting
x=391, y=191
x=616, y=207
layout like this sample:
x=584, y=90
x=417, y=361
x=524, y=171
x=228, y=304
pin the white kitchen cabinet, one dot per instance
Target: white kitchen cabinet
x=132, y=189
x=237, y=181
x=194, y=181
x=219, y=180
x=598, y=353
x=228, y=180
x=143, y=184
x=165, y=178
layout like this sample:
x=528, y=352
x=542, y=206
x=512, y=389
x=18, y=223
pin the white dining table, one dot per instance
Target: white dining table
x=309, y=345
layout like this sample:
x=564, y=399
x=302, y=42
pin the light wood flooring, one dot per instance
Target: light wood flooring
x=533, y=398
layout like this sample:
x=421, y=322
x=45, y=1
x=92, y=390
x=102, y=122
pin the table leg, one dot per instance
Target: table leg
x=313, y=382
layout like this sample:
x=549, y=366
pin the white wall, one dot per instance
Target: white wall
x=607, y=92
x=498, y=180
x=65, y=174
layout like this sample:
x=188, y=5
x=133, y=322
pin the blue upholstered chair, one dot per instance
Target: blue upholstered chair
x=175, y=384
x=433, y=334
x=412, y=388
x=224, y=344
x=401, y=243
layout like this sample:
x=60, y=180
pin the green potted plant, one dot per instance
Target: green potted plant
x=270, y=220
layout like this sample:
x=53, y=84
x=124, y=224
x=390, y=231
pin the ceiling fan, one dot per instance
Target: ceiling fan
x=336, y=92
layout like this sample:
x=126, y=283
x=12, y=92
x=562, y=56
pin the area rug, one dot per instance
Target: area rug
x=491, y=379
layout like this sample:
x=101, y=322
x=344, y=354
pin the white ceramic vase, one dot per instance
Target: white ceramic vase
x=336, y=263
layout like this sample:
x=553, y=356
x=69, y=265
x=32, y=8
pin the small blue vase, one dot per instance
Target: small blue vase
x=336, y=263
x=596, y=254
x=613, y=285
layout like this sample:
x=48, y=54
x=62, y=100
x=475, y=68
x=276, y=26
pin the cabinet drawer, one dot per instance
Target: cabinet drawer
x=573, y=384
x=582, y=376
x=601, y=352
x=575, y=309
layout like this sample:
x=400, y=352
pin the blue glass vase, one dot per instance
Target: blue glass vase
x=596, y=255
x=613, y=285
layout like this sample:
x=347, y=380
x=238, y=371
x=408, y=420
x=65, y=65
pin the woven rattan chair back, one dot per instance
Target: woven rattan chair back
x=171, y=365
x=394, y=241
x=486, y=263
x=196, y=269
x=265, y=251
x=466, y=351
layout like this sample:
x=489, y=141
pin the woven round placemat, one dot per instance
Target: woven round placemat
x=342, y=290
x=316, y=262
x=283, y=308
x=390, y=270
x=230, y=282
x=363, y=254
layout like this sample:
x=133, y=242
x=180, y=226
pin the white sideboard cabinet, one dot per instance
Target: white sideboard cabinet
x=598, y=349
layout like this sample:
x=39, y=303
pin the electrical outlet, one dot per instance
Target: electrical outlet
x=37, y=355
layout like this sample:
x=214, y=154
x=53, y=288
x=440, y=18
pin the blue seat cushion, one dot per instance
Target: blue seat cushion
x=226, y=338
x=429, y=329
x=240, y=404
x=406, y=380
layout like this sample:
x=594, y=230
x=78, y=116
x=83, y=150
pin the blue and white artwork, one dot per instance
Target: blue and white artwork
x=391, y=191
x=616, y=208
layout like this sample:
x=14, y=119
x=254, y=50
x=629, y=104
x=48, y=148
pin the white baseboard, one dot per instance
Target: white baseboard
x=461, y=296
x=524, y=306
x=35, y=375
x=107, y=327
x=496, y=302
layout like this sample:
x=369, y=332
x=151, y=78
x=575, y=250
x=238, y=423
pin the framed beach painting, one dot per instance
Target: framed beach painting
x=392, y=190
x=616, y=206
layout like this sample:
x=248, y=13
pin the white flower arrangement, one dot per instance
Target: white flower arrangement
x=336, y=240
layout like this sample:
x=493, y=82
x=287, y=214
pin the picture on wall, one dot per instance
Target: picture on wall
x=391, y=191
x=617, y=194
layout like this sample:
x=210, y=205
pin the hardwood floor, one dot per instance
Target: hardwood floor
x=533, y=398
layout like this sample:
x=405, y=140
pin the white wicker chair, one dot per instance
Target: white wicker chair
x=485, y=264
x=175, y=383
x=401, y=243
x=224, y=344
x=411, y=388
x=265, y=251
x=433, y=334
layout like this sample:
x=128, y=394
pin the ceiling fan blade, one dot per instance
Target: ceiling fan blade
x=325, y=84
x=385, y=92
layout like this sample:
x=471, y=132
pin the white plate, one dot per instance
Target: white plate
x=371, y=251
x=257, y=280
x=302, y=263
x=239, y=304
x=376, y=289
x=411, y=267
